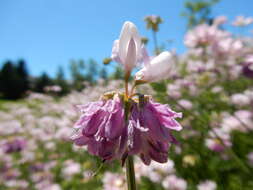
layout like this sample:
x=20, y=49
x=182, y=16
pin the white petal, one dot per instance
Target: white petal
x=115, y=52
x=159, y=68
x=145, y=59
x=128, y=32
x=131, y=59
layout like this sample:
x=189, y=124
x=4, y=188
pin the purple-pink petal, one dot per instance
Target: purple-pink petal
x=103, y=130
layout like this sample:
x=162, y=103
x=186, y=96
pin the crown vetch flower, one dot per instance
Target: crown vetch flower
x=248, y=66
x=242, y=21
x=119, y=125
x=153, y=22
x=127, y=49
x=14, y=145
x=220, y=20
x=147, y=134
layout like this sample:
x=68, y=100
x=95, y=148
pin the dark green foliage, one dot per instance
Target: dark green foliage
x=118, y=73
x=84, y=73
x=14, y=80
x=77, y=75
x=238, y=85
x=92, y=72
x=62, y=82
x=23, y=74
x=41, y=82
x=103, y=74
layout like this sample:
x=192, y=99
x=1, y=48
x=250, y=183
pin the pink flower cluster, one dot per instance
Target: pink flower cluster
x=103, y=128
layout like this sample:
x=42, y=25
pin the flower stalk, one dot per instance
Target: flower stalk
x=130, y=173
x=155, y=43
x=119, y=127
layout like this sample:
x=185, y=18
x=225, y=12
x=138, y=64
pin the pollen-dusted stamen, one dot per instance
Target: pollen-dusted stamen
x=108, y=95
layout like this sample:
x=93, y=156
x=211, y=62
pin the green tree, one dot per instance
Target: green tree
x=103, y=73
x=92, y=71
x=23, y=74
x=14, y=80
x=8, y=80
x=41, y=82
x=61, y=81
x=77, y=74
x=118, y=73
x=198, y=11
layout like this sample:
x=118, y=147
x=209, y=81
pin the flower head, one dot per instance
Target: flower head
x=113, y=181
x=242, y=21
x=14, y=145
x=203, y=35
x=153, y=22
x=174, y=183
x=248, y=66
x=147, y=134
x=219, y=20
x=207, y=185
x=119, y=125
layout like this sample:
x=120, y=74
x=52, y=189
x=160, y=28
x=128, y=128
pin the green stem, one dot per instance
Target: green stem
x=130, y=173
x=127, y=75
x=155, y=43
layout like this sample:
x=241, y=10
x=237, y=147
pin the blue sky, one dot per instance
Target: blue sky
x=49, y=33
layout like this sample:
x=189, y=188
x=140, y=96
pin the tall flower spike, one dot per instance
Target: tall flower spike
x=127, y=49
x=158, y=68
